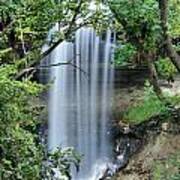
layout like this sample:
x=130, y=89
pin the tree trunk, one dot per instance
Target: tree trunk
x=175, y=58
x=153, y=75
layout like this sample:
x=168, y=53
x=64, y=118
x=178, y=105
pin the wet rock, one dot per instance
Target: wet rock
x=127, y=130
x=165, y=126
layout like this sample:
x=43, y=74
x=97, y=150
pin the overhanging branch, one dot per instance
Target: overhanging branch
x=32, y=70
x=47, y=52
x=62, y=64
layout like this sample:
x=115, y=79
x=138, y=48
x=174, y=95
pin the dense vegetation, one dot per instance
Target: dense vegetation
x=148, y=32
x=23, y=29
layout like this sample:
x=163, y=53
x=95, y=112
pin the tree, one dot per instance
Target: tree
x=24, y=26
x=139, y=21
x=173, y=55
x=147, y=30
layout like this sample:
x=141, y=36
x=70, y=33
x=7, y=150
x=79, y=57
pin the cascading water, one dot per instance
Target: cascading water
x=79, y=100
x=58, y=102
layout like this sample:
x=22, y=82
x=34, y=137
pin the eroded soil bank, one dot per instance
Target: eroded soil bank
x=154, y=145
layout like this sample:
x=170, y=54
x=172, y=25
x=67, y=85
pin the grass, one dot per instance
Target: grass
x=174, y=100
x=148, y=107
x=144, y=110
x=167, y=169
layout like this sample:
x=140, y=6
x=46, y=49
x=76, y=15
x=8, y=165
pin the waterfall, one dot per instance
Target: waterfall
x=80, y=100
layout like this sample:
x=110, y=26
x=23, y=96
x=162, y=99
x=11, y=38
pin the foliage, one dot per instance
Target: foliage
x=22, y=154
x=165, y=68
x=173, y=100
x=139, y=20
x=24, y=26
x=140, y=24
x=59, y=162
x=174, y=18
x=31, y=18
x=149, y=106
x=124, y=54
x=167, y=169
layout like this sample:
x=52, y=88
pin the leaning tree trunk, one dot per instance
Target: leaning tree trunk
x=175, y=58
x=153, y=76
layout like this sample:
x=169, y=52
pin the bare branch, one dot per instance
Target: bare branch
x=32, y=70
x=62, y=64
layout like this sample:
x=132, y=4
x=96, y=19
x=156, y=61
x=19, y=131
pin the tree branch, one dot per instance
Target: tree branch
x=32, y=70
x=47, y=52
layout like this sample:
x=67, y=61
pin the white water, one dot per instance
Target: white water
x=79, y=101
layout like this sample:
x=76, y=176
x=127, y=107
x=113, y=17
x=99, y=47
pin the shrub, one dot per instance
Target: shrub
x=22, y=156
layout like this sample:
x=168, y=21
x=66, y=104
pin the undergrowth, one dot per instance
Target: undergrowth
x=145, y=109
x=167, y=169
x=148, y=107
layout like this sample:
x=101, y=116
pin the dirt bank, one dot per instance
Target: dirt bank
x=141, y=166
x=155, y=144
